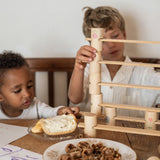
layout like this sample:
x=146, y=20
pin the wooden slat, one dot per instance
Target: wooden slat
x=133, y=107
x=131, y=119
x=33, y=77
x=82, y=113
x=130, y=41
x=51, y=88
x=69, y=74
x=129, y=85
x=126, y=41
x=130, y=63
x=157, y=122
x=51, y=64
x=124, y=129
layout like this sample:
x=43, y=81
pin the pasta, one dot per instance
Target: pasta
x=85, y=151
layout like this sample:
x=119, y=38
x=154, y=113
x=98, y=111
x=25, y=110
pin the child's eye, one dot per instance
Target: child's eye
x=29, y=86
x=115, y=36
x=17, y=91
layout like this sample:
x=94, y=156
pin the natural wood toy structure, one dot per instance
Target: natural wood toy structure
x=90, y=119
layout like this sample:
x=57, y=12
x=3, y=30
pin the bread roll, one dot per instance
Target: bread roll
x=38, y=127
x=58, y=125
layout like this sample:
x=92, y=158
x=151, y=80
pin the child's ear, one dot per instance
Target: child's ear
x=1, y=98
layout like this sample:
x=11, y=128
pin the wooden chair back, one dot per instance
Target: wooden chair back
x=51, y=65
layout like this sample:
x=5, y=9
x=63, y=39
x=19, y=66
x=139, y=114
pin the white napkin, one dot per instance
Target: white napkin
x=9, y=133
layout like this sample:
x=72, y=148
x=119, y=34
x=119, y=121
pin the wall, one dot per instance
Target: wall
x=52, y=28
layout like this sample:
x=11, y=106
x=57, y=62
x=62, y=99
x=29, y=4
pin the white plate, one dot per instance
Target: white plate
x=54, y=151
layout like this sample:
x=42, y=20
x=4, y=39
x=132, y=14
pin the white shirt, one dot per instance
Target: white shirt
x=37, y=109
x=129, y=75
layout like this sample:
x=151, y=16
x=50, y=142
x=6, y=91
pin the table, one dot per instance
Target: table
x=144, y=146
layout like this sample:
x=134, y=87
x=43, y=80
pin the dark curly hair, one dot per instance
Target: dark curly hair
x=10, y=60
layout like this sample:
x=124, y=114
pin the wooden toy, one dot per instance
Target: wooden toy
x=90, y=124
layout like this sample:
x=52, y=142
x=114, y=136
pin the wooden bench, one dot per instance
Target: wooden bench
x=52, y=65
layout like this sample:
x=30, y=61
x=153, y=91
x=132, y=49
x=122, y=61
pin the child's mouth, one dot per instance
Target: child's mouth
x=114, y=52
x=27, y=102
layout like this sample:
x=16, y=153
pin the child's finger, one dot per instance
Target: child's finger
x=68, y=112
x=75, y=110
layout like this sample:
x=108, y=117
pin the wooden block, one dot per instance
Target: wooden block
x=150, y=118
x=96, y=110
x=110, y=115
x=96, y=35
x=90, y=121
x=153, y=158
x=94, y=88
x=96, y=99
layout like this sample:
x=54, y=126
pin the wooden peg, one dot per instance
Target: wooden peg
x=110, y=115
x=150, y=118
x=95, y=67
x=96, y=35
x=153, y=158
x=90, y=121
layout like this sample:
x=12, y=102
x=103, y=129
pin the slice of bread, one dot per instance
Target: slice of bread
x=58, y=125
x=38, y=127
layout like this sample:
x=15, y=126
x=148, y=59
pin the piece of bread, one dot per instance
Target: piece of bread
x=38, y=127
x=58, y=125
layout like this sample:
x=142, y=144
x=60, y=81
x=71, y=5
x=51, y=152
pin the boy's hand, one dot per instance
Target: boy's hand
x=68, y=110
x=84, y=55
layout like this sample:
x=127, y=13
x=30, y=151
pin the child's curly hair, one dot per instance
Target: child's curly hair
x=102, y=17
x=10, y=60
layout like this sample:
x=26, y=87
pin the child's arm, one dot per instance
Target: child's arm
x=84, y=55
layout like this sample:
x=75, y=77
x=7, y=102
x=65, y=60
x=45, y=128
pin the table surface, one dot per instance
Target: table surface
x=144, y=146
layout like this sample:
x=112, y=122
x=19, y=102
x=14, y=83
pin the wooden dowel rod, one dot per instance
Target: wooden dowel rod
x=130, y=41
x=82, y=113
x=130, y=63
x=130, y=119
x=128, y=130
x=133, y=107
x=126, y=41
x=157, y=122
x=124, y=129
x=128, y=85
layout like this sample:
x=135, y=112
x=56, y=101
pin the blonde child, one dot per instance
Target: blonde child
x=113, y=22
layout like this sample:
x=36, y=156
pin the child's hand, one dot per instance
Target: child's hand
x=68, y=110
x=84, y=55
x=75, y=110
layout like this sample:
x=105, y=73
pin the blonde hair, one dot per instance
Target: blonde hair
x=102, y=17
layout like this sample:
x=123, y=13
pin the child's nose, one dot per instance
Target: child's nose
x=111, y=44
x=26, y=93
